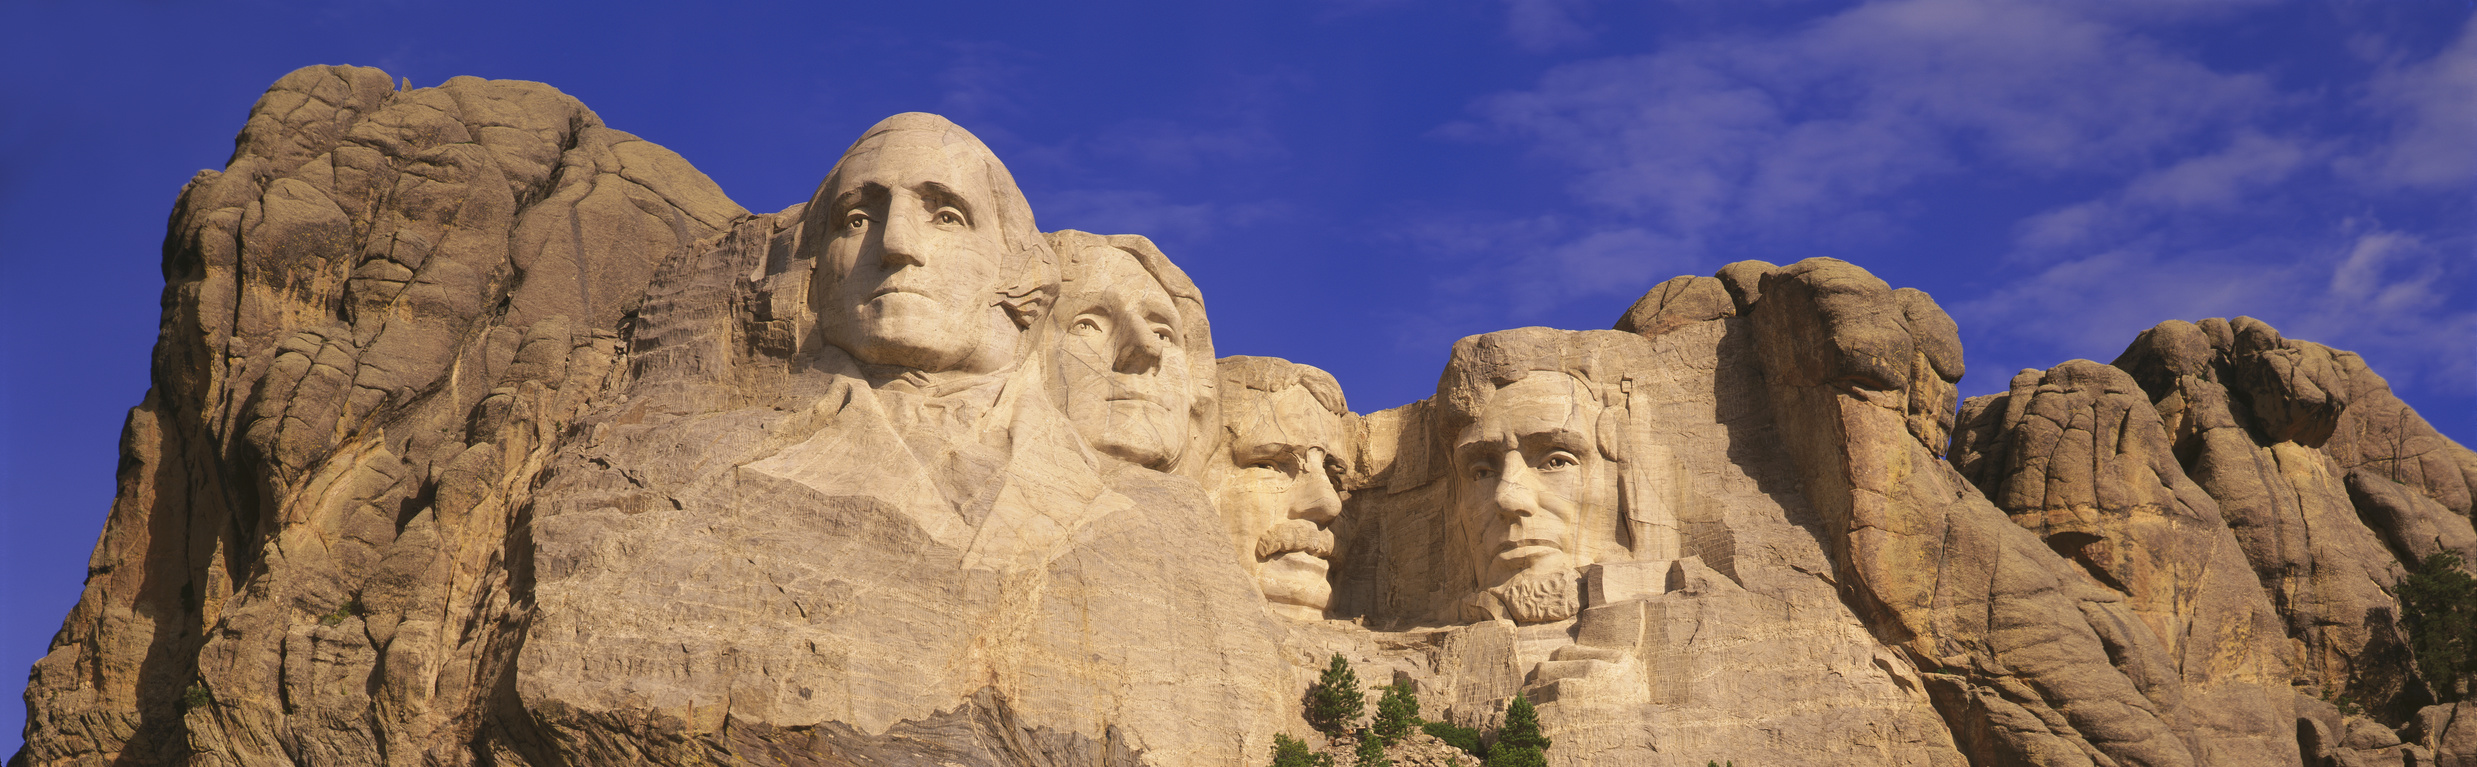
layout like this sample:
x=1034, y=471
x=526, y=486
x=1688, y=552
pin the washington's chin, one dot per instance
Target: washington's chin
x=910, y=339
x=1141, y=450
x=1295, y=585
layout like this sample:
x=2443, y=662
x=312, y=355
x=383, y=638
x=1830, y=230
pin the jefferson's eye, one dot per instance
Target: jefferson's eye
x=1559, y=460
x=950, y=217
x=1086, y=325
x=1165, y=335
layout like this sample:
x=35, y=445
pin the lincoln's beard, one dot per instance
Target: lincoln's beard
x=1539, y=595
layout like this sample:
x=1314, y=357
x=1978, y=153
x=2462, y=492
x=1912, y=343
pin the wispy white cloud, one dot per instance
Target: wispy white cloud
x=1546, y=25
x=2433, y=103
x=2385, y=294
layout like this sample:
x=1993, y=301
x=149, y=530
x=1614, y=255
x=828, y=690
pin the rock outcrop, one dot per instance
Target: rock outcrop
x=481, y=433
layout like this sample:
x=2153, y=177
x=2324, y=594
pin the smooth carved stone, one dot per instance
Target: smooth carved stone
x=1274, y=471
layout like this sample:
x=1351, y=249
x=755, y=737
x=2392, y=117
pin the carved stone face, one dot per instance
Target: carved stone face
x=1529, y=477
x=1123, y=357
x=912, y=257
x=1277, y=493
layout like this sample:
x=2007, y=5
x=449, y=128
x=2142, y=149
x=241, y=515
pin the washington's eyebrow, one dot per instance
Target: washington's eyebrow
x=863, y=193
x=940, y=194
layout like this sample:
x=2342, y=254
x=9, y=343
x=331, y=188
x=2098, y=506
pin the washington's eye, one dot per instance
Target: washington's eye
x=856, y=220
x=950, y=217
x=1559, y=460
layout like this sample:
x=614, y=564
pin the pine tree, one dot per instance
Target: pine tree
x=1371, y=751
x=1397, y=713
x=1291, y=752
x=1519, y=742
x=1335, y=701
x=2439, y=604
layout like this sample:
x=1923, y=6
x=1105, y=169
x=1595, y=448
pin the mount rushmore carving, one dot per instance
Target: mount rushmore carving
x=482, y=433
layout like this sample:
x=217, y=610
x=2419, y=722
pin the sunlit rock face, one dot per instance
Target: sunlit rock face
x=1284, y=443
x=484, y=433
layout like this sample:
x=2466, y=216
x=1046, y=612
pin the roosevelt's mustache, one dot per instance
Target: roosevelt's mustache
x=1294, y=535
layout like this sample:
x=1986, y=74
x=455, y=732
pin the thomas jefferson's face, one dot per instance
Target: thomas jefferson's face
x=913, y=254
x=1528, y=470
x=1122, y=355
x=1278, y=492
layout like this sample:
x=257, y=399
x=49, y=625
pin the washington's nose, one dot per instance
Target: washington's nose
x=1313, y=498
x=899, y=240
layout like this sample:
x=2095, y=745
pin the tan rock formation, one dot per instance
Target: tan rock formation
x=1274, y=473
x=482, y=433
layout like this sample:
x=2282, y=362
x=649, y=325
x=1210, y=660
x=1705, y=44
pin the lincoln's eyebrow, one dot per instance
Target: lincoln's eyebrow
x=1558, y=438
x=1481, y=447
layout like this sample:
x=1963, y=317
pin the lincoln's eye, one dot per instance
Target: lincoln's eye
x=950, y=217
x=1559, y=460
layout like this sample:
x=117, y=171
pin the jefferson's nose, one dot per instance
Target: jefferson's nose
x=1313, y=497
x=1140, y=354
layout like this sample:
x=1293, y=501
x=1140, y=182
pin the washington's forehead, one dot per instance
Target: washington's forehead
x=906, y=165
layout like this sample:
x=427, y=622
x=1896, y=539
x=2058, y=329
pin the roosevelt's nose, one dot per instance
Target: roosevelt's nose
x=899, y=240
x=1313, y=498
x=1517, y=490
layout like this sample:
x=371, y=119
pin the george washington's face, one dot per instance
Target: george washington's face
x=1122, y=355
x=1529, y=476
x=910, y=267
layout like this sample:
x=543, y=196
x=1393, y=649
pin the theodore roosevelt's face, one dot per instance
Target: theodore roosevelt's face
x=1278, y=491
x=1527, y=472
x=911, y=263
x=1122, y=355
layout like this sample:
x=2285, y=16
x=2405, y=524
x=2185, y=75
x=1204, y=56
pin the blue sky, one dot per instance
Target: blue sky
x=1356, y=183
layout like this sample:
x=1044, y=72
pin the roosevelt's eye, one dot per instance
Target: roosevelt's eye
x=949, y=216
x=1559, y=460
x=1483, y=471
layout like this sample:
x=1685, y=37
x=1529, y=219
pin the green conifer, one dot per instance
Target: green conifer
x=1292, y=752
x=2439, y=604
x=1397, y=712
x=1371, y=751
x=1334, y=702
